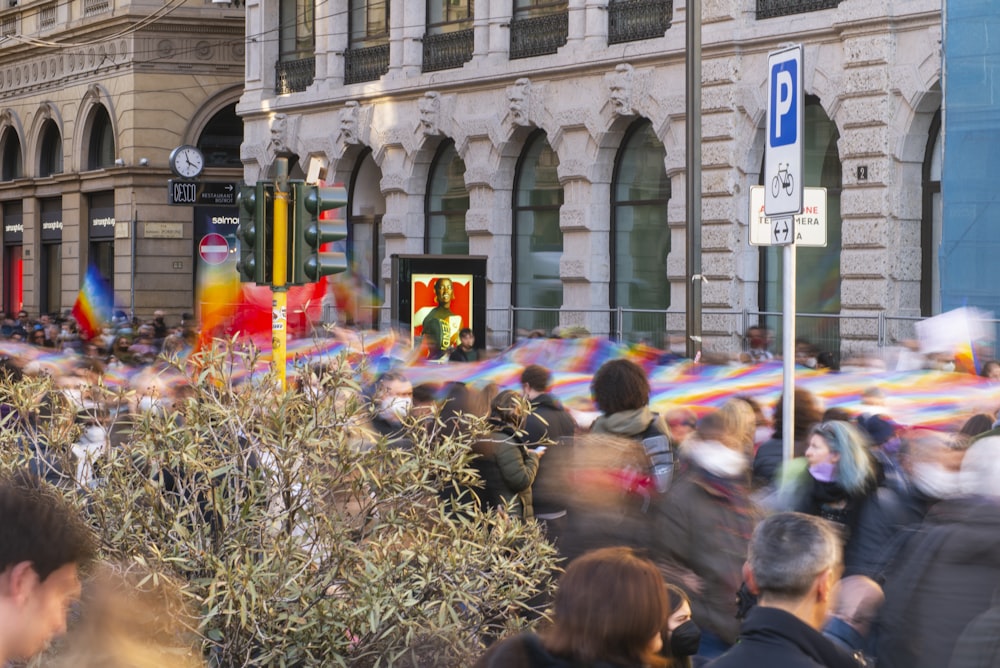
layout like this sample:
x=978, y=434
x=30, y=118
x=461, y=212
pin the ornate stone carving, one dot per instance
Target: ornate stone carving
x=519, y=99
x=430, y=113
x=620, y=86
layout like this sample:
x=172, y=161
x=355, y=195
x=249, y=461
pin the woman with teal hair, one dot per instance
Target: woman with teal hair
x=837, y=479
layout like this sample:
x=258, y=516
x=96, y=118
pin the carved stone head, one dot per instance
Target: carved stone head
x=519, y=97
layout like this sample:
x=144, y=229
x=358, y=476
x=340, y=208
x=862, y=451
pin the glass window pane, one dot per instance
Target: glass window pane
x=538, y=243
x=447, y=203
x=297, y=29
x=641, y=235
x=13, y=165
x=445, y=11
x=51, y=156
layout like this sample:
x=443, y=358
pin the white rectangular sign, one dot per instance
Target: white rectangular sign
x=809, y=227
x=783, y=152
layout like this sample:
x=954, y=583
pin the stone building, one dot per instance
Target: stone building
x=94, y=95
x=549, y=137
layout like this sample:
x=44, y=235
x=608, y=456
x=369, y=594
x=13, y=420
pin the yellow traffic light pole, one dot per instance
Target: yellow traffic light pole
x=279, y=301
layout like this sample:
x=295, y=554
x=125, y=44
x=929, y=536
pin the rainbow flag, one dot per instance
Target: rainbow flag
x=94, y=303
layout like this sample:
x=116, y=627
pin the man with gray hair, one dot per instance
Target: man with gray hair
x=794, y=563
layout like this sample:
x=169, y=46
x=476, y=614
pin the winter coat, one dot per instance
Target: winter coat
x=548, y=421
x=507, y=469
x=773, y=638
x=882, y=522
x=551, y=425
x=526, y=651
x=947, y=575
x=703, y=525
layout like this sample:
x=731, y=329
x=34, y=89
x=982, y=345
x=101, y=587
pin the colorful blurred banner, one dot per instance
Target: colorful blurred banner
x=94, y=303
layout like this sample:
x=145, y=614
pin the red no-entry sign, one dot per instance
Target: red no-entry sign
x=213, y=249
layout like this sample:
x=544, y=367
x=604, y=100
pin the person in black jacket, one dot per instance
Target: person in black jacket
x=550, y=426
x=793, y=566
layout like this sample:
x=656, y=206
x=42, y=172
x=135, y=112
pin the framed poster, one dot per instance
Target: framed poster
x=437, y=296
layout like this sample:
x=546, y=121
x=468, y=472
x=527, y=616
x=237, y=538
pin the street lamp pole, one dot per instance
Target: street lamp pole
x=692, y=85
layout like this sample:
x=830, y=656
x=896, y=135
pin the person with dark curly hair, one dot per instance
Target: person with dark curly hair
x=621, y=391
x=43, y=541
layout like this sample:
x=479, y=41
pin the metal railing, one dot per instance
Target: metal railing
x=769, y=9
x=539, y=35
x=368, y=63
x=633, y=20
x=445, y=51
x=294, y=76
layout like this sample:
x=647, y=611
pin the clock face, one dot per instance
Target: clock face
x=187, y=161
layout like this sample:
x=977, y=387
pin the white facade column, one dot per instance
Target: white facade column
x=407, y=24
x=596, y=24
x=500, y=15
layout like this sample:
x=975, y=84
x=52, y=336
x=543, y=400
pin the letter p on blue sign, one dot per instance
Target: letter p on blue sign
x=784, y=102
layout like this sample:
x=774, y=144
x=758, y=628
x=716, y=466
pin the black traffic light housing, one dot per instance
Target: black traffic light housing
x=256, y=232
x=309, y=233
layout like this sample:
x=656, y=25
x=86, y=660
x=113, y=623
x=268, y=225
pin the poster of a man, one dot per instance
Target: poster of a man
x=439, y=319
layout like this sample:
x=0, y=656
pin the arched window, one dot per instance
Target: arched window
x=930, y=233
x=538, y=239
x=447, y=202
x=818, y=282
x=101, y=152
x=640, y=237
x=50, y=159
x=220, y=140
x=13, y=164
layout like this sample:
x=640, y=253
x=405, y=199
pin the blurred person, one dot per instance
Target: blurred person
x=393, y=401
x=682, y=635
x=768, y=460
x=126, y=622
x=837, y=478
x=856, y=603
x=978, y=424
x=947, y=573
x=793, y=564
x=607, y=490
x=740, y=423
x=549, y=426
x=43, y=543
x=929, y=465
x=703, y=525
x=991, y=370
x=466, y=350
x=681, y=421
x=621, y=390
x=763, y=427
x=758, y=340
x=506, y=467
x=609, y=611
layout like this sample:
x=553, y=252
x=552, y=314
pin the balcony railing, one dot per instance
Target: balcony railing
x=769, y=9
x=368, y=63
x=539, y=35
x=632, y=20
x=91, y=7
x=294, y=76
x=446, y=51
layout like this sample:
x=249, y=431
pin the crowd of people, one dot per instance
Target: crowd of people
x=875, y=543
x=686, y=539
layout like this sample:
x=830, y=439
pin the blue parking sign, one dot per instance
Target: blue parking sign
x=784, y=126
x=783, y=152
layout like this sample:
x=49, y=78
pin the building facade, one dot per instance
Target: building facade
x=94, y=95
x=549, y=137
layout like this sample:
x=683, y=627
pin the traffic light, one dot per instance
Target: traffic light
x=256, y=207
x=309, y=233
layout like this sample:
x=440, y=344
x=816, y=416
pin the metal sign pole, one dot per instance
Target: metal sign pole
x=788, y=354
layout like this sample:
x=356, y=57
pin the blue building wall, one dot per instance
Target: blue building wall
x=970, y=182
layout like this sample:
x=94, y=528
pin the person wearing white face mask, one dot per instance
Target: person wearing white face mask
x=702, y=526
x=941, y=591
x=929, y=463
x=392, y=401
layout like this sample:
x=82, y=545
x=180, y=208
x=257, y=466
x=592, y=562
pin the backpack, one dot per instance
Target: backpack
x=660, y=453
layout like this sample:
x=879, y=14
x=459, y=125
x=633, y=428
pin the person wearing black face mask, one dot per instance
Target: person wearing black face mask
x=682, y=636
